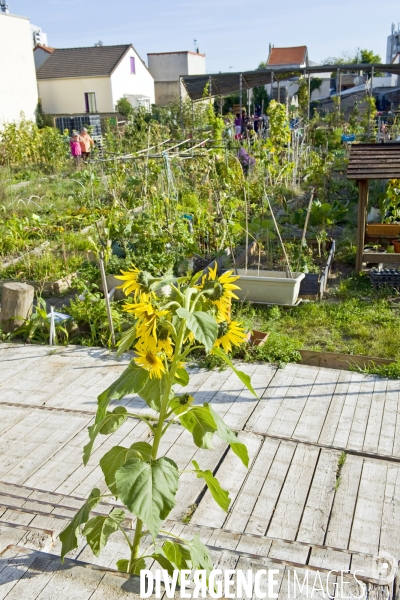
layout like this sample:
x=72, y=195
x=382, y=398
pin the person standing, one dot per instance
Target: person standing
x=75, y=145
x=86, y=143
x=238, y=125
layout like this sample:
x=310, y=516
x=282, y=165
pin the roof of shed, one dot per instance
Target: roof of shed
x=93, y=61
x=374, y=161
x=296, y=55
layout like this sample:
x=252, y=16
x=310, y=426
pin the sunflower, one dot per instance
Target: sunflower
x=220, y=290
x=135, y=281
x=166, y=346
x=148, y=358
x=147, y=315
x=230, y=334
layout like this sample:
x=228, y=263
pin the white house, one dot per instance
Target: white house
x=18, y=88
x=167, y=67
x=93, y=79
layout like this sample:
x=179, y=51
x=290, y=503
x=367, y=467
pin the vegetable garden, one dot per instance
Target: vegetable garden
x=172, y=194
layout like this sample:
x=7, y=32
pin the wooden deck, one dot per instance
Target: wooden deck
x=293, y=508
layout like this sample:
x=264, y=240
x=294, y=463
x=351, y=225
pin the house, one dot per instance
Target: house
x=93, y=79
x=18, y=88
x=296, y=57
x=167, y=67
x=40, y=54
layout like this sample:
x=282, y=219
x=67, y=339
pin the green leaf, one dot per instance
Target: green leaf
x=220, y=495
x=181, y=376
x=200, y=422
x=137, y=566
x=153, y=392
x=131, y=381
x=110, y=423
x=118, y=456
x=148, y=490
x=98, y=530
x=229, y=436
x=68, y=536
x=244, y=378
x=127, y=340
x=164, y=562
x=203, y=326
x=200, y=556
x=178, y=555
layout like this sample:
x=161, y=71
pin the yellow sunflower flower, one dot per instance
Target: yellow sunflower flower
x=230, y=334
x=136, y=281
x=148, y=358
x=166, y=346
x=147, y=315
x=220, y=290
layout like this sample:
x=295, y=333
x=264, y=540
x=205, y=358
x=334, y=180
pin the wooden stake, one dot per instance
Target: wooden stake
x=107, y=299
x=303, y=237
x=289, y=270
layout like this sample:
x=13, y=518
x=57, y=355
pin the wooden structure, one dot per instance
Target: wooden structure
x=298, y=506
x=366, y=162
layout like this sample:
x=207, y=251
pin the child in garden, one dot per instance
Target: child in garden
x=75, y=145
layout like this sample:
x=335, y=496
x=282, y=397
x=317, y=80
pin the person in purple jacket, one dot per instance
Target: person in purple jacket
x=75, y=145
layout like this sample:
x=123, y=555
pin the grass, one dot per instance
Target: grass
x=354, y=319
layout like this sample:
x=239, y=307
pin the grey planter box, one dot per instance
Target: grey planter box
x=268, y=287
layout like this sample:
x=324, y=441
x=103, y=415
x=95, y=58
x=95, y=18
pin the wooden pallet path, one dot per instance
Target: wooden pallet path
x=293, y=506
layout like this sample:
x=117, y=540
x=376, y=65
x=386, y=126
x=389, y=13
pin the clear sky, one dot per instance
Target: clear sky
x=234, y=35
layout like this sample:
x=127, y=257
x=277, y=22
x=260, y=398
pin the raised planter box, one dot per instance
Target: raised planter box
x=336, y=360
x=382, y=230
x=315, y=284
x=268, y=287
x=257, y=338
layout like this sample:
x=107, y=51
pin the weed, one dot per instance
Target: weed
x=189, y=514
x=340, y=463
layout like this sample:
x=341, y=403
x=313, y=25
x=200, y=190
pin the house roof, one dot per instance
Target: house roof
x=93, y=61
x=177, y=52
x=296, y=55
x=45, y=48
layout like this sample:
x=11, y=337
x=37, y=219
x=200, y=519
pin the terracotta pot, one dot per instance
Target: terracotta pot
x=257, y=338
x=396, y=246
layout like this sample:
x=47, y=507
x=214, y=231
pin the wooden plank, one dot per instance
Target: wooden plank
x=327, y=558
x=289, y=508
x=231, y=475
x=365, y=532
x=360, y=418
x=348, y=410
x=312, y=418
x=340, y=523
x=374, y=424
x=240, y=511
x=389, y=537
x=335, y=408
x=338, y=360
x=267, y=499
x=381, y=257
x=320, y=498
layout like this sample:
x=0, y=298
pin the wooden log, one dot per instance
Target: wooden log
x=16, y=305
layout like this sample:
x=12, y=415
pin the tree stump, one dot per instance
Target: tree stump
x=16, y=305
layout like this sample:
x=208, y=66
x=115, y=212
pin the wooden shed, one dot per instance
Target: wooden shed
x=366, y=162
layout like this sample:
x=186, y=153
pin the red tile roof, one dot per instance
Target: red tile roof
x=46, y=48
x=297, y=55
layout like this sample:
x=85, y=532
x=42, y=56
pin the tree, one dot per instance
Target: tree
x=124, y=108
x=364, y=56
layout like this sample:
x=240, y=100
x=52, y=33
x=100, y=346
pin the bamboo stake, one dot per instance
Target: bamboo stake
x=107, y=299
x=289, y=270
x=303, y=237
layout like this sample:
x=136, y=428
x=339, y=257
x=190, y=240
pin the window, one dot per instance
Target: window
x=90, y=102
x=133, y=70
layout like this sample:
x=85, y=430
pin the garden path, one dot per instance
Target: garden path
x=298, y=505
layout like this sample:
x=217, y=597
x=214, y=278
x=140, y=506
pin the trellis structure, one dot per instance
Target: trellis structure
x=366, y=162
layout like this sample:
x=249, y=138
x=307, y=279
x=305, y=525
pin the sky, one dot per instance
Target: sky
x=235, y=36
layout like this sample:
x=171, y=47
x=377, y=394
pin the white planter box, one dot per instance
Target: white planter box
x=268, y=287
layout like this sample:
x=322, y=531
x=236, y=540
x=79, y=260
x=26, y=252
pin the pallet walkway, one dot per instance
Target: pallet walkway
x=293, y=507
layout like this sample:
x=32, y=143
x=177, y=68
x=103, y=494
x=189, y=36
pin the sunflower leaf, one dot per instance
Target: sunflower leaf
x=202, y=325
x=201, y=424
x=116, y=457
x=220, y=495
x=244, y=378
x=110, y=423
x=68, y=536
x=229, y=436
x=98, y=530
x=131, y=381
x=148, y=490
